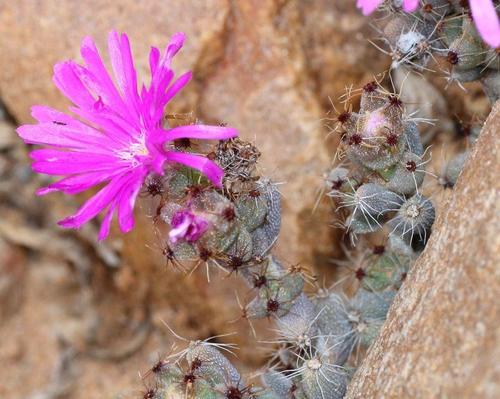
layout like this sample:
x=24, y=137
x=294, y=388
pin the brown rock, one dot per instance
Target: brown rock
x=442, y=335
x=7, y=136
x=335, y=40
x=36, y=35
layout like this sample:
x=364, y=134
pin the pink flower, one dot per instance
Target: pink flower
x=486, y=19
x=484, y=15
x=368, y=6
x=118, y=138
x=187, y=226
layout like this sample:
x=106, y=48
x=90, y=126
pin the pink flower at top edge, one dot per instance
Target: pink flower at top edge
x=368, y=6
x=484, y=15
x=487, y=22
x=118, y=138
x=187, y=226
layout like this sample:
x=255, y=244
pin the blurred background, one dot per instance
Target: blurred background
x=80, y=319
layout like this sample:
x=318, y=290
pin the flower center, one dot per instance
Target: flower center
x=135, y=151
x=374, y=123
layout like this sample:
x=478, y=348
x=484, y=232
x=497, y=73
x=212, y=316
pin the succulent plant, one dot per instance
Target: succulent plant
x=443, y=31
x=233, y=230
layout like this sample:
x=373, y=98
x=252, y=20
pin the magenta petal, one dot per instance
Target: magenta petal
x=154, y=59
x=95, y=204
x=92, y=207
x=177, y=233
x=45, y=190
x=368, y=6
x=159, y=85
x=95, y=65
x=40, y=134
x=113, y=126
x=124, y=70
x=62, y=168
x=176, y=43
x=97, y=79
x=187, y=226
x=126, y=214
x=54, y=124
x=77, y=183
x=177, y=86
x=126, y=203
x=106, y=223
x=154, y=99
x=62, y=163
x=410, y=5
x=164, y=98
x=205, y=132
x=161, y=74
x=43, y=113
x=68, y=82
x=210, y=169
x=72, y=157
x=56, y=135
x=487, y=22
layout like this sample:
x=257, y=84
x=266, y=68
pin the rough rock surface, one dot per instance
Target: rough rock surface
x=36, y=35
x=442, y=335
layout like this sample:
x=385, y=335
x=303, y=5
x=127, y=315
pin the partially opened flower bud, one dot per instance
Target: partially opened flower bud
x=187, y=226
